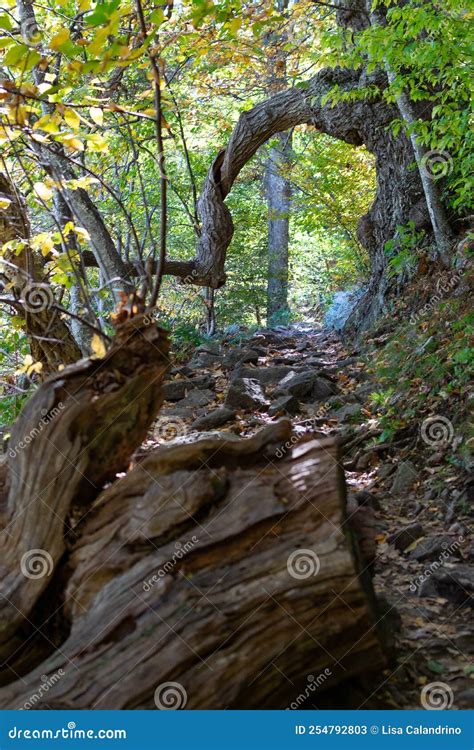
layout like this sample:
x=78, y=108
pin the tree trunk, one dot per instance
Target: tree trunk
x=278, y=197
x=77, y=431
x=221, y=572
x=50, y=340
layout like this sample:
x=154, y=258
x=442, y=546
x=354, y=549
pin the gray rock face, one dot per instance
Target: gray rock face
x=405, y=477
x=341, y=307
x=214, y=419
x=285, y=404
x=246, y=393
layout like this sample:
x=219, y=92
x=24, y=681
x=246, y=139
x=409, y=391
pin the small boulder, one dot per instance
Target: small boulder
x=284, y=404
x=453, y=583
x=245, y=393
x=402, y=538
x=431, y=547
x=306, y=385
x=239, y=356
x=175, y=390
x=198, y=397
x=405, y=477
x=214, y=419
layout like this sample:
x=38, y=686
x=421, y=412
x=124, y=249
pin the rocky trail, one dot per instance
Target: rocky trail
x=418, y=546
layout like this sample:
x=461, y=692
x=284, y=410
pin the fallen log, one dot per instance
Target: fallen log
x=218, y=573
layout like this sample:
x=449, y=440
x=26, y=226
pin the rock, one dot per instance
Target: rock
x=431, y=547
x=174, y=390
x=198, y=397
x=202, y=360
x=385, y=470
x=246, y=393
x=455, y=583
x=306, y=385
x=405, y=477
x=240, y=356
x=402, y=538
x=348, y=410
x=341, y=307
x=214, y=419
x=265, y=375
x=209, y=347
x=363, y=392
x=285, y=404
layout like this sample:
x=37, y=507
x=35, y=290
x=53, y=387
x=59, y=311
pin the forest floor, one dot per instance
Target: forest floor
x=414, y=494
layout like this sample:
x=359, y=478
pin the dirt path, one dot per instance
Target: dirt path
x=422, y=548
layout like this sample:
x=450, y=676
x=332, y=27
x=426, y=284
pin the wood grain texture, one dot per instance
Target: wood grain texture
x=183, y=571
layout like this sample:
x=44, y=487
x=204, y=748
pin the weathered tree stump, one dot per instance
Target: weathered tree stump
x=77, y=431
x=226, y=567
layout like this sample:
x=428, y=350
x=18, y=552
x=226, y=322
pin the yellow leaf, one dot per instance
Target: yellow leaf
x=97, y=115
x=81, y=232
x=74, y=144
x=58, y=40
x=4, y=202
x=98, y=347
x=72, y=119
x=42, y=191
x=97, y=142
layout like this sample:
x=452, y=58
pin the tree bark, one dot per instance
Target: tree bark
x=51, y=341
x=218, y=566
x=77, y=431
x=278, y=198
